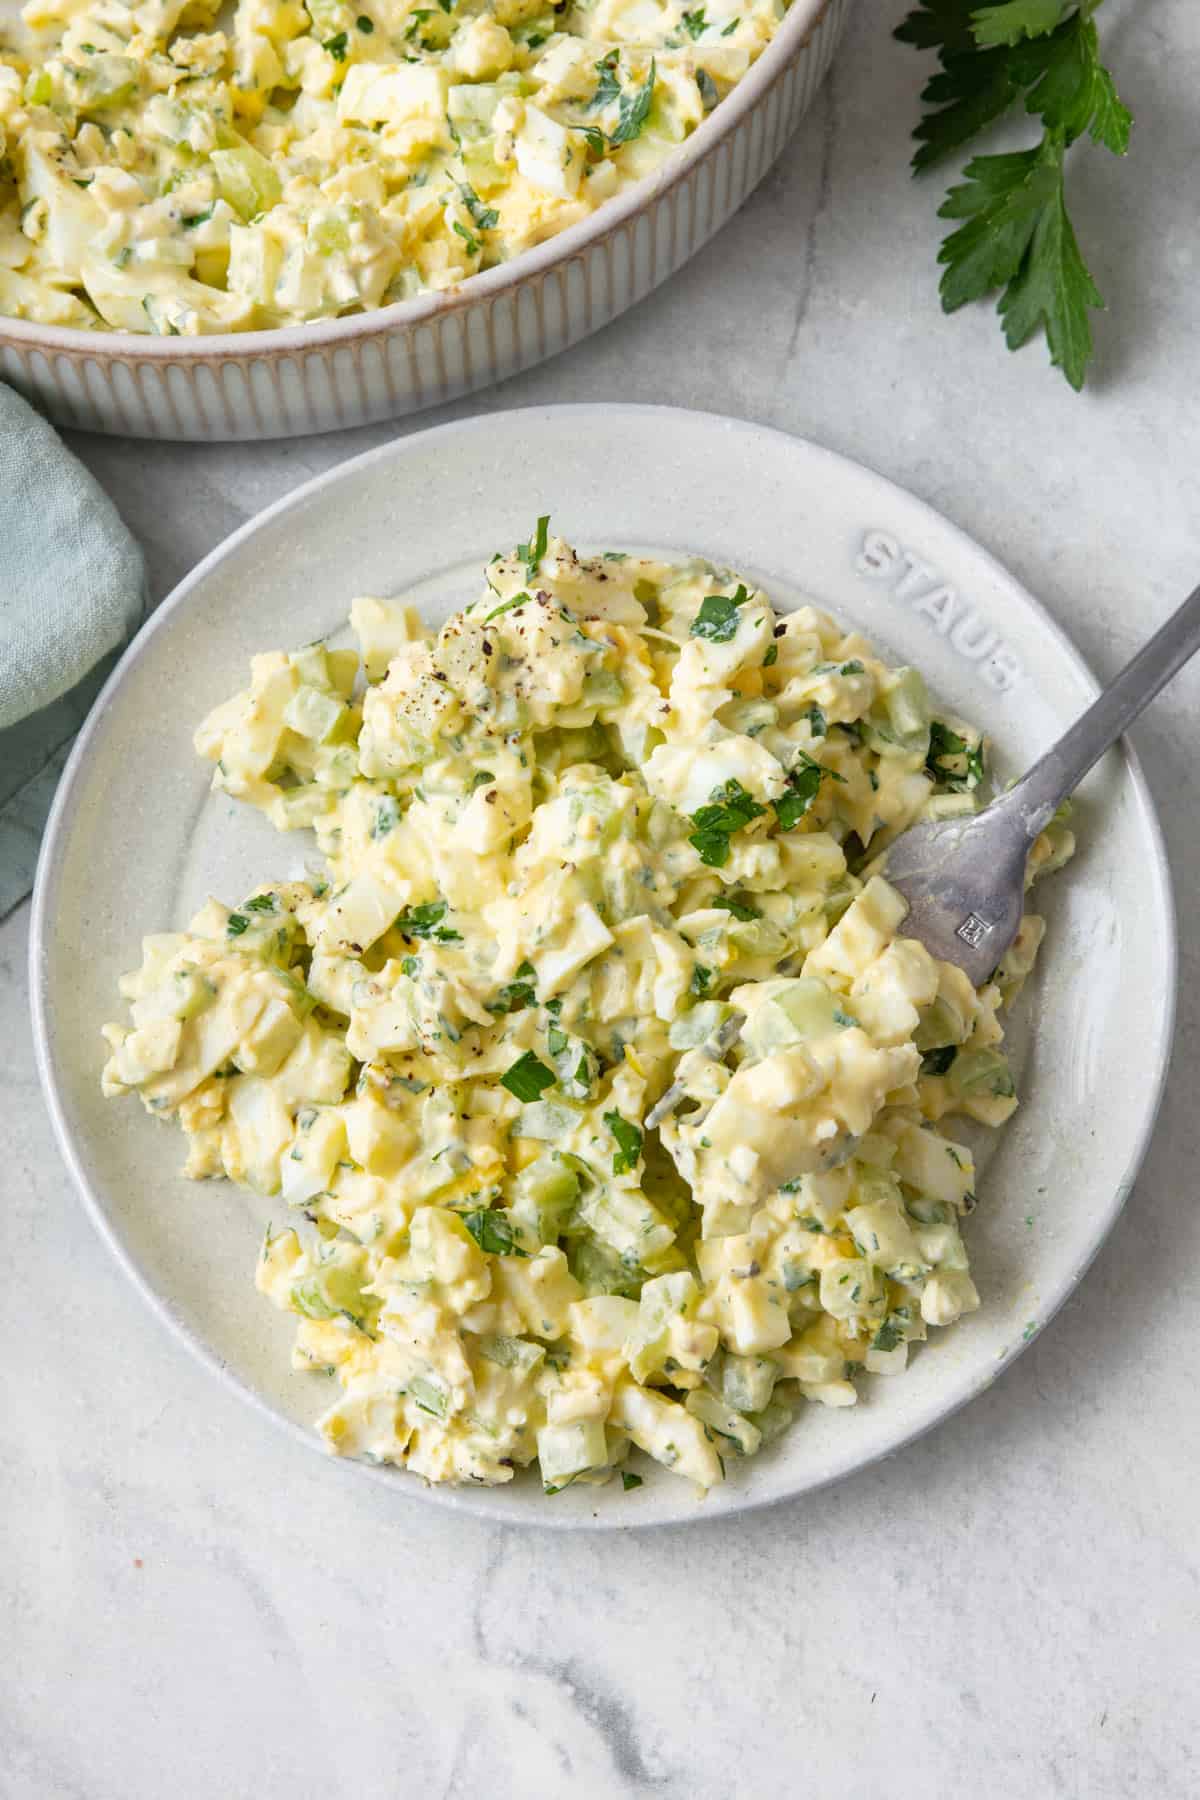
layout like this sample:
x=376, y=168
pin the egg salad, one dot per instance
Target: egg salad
x=599, y=1099
x=159, y=174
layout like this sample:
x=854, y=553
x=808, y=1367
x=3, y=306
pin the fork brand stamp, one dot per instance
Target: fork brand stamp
x=884, y=559
x=973, y=930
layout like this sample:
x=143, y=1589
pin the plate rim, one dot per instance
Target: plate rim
x=477, y=1502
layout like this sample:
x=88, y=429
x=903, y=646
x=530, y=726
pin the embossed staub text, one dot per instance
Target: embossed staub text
x=917, y=583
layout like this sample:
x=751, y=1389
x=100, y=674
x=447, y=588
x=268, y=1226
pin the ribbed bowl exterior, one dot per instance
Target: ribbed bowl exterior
x=377, y=366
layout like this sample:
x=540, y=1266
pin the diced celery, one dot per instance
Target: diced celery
x=724, y=1421
x=907, y=703
x=545, y=1194
x=482, y=170
x=312, y=665
x=747, y=1382
x=246, y=180
x=472, y=106
x=975, y=1072
x=600, y=1270
x=799, y=1009
x=773, y=1419
x=512, y=1353
x=313, y=714
x=547, y=1120
x=603, y=688
x=699, y=1025
x=625, y=1220
x=941, y=1024
x=567, y=1450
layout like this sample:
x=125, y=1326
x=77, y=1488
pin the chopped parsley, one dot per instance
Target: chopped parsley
x=485, y=217
x=701, y=980
x=517, y=600
x=533, y=552
x=772, y=656
x=887, y=1337
x=527, y=1078
x=816, y=720
x=609, y=86
x=717, y=618
x=740, y=909
x=695, y=23
x=634, y=110
x=629, y=1143
x=479, y=779
x=493, y=1233
x=336, y=46
x=936, y=1062
x=235, y=924
x=708, y=89
x=803, y=782
x=385, y=817
x=365, y=25
x=730, y=808
x=516, y=994
x=628, y=1481
x=556, y=1041
x=426, y=922
x=472, y=243
x=944, y=744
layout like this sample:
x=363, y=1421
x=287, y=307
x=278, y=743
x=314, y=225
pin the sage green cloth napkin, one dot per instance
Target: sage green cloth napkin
x=72, y=589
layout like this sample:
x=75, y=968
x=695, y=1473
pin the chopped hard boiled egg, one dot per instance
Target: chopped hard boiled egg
x=305, y=161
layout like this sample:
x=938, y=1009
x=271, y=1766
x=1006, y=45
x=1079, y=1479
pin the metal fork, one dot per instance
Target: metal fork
x=964, y=879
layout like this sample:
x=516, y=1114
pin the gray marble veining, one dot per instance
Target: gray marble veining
x=195, y=1605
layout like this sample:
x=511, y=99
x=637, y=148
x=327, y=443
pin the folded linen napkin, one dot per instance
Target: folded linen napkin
x=72, y=588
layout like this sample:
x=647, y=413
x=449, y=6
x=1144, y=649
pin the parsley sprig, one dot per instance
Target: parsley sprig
x=1014, y=231
x=729, y=808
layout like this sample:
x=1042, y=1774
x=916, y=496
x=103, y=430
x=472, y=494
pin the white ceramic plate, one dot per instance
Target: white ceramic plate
x=137, y=841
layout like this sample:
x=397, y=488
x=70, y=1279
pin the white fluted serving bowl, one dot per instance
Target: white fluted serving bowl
x=400, y=359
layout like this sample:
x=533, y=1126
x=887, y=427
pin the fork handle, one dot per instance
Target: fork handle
x=1058, y=773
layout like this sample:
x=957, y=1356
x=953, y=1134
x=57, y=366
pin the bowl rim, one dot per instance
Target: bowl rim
x=478, y=1502
x=800, y=22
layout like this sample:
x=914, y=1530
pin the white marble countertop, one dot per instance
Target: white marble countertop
x=195, y=1605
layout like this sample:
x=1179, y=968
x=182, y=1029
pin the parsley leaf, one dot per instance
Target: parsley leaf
x=493, y=1233
x=533, y=552
x=739, y=908
x=803, y=784
x=634, y=110
x=527, y=1078
x=945, y=745
x=887, y=1337
x=717, y=618
x=730, y=807
x=1017, y=234
x=609, y=87
x=472, y=243
x=336, y=46
x=695, y=23
x=485, y=217
x=701, y=980
x=1016, y=19
x=629, y=1481
x=708, y=89
x=517, y=600
x=516, y=994
x=426, y=922
x=629, y=1143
